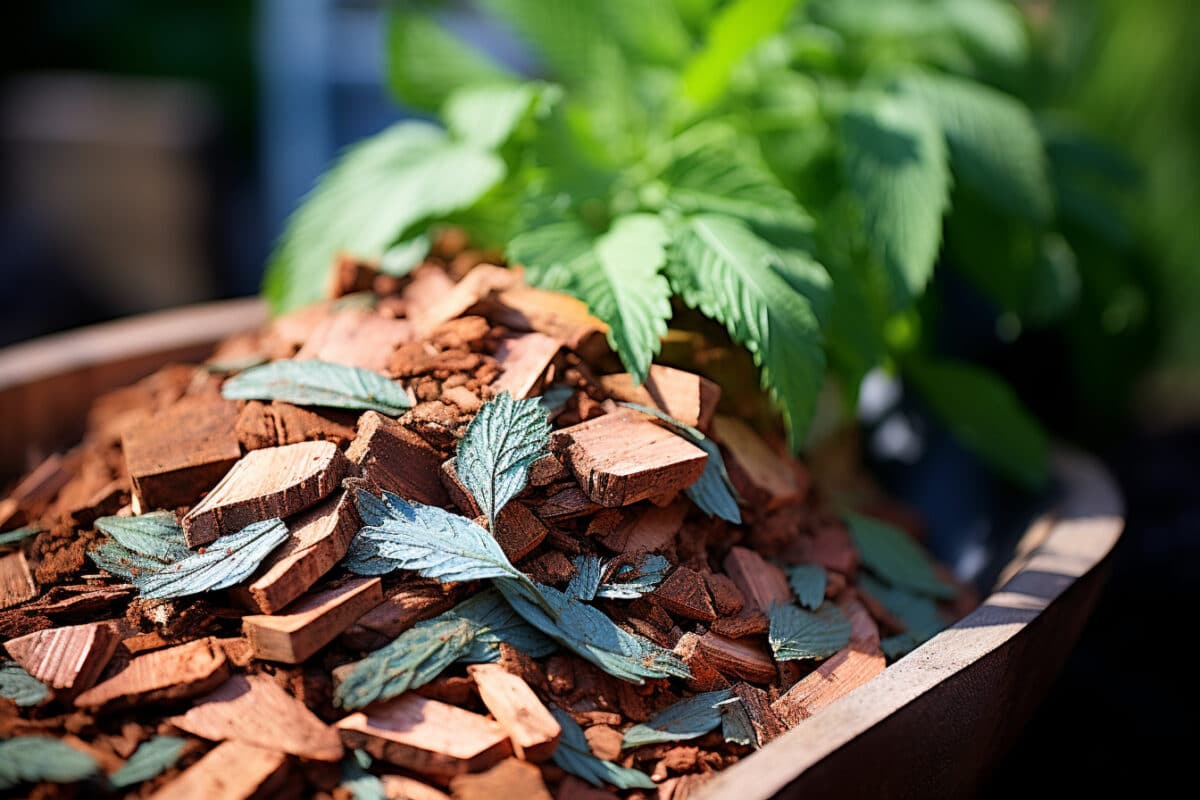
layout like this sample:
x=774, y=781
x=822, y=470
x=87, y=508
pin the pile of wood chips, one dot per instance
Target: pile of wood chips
x=246, y=676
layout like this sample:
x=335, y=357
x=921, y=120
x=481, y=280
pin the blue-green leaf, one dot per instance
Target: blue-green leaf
x=586, y=580
x=152, y=758
x=494, y=455
x=573, y=755
x=19, y=686
x=34, y=759
x=361, y=784
x=808, y=584
x=156, y=535
x=630, y=582
x=687, y=719
x=796, y=634
x=226, y=562
x=12, y=537
x=736, y=726
x=318, y=383
x=919, y=613
x=892, y=555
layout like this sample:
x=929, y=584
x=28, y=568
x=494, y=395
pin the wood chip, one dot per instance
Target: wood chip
x=508, y=779
x=621, y=458
x=604, y=741
x=705, y=677
x=566, y=319
x=357, y=338
x=34, y=492
x=766, y=724
x=546, y=470
x=446, y=305
x=311, y=622
x=573, y=788
x=761, y=475
x=839, y=675
x=178, y=454
x=16, y=582
x=459, y=494
x=524, y=360
x=278, y=423
x=426, y=736
x=531, y=727
x=273, y=482
x=519, y=531
x=737, y=657
x=255, y=710
x=565, y=501
x=395, y=459
x=685, y=594
x=230, y=771
x=160, y=676
x=407, y=606
x=402, y=787
x=830, y=546
x=686, y=396
x=68, y=659
x=317, y=542
x=649, y=529
x=761, y=583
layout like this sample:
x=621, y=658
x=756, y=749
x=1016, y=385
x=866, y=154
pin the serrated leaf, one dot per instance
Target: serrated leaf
x=895, y=164
x=122, y=563
x=736, y=726
x=426, y=63
x=719, y=179
x=808, y=584
x=687, y=719
x=19, y=686
x=494, y=455
x=986, y=416
x=587, y=632
x=796, y=634
x=732, y=34
x=722, y=268
x=995, y=147
x=34, y=759
x=379, y=188
x=487, y=116
x=573, y=755
x=624, y=288
x=993, y=28
x=403, y=257
x=156, y=535
x=226, y=562
x=586, y=580
x=919, y=613
x=892, y=555
x=152, y=758
x=318, y=383
x=19, y=534
x=630, y=582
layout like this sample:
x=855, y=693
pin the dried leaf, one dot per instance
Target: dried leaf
x=797, y=634
x=318, y=383
x=33, y=759
x=157, y=535
x=573, y=755
x=713, y=493
x=494, y=455
x=589, y=633
x=12, y=537
x=430, y=540
x=226, y=562
x=586, y=580
x=631, y=582
x=893, y=556
x=687, y=719
x=19, y=686
x=151, y=759
x=808, y=583
x=920, y=615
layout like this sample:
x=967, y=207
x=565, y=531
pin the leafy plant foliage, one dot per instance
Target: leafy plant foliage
x=152, y=758
x=494, y=455
x=318, y=383
x=32, y=759
x=687, y=719
x=808, y=584
x=892, y=555
x=573, y=755
x=797, y=634
x=226, y=562
x=19, y=686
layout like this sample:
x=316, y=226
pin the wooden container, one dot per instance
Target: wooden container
x=930, y=726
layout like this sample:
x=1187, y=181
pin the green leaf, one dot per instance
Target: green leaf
x=733, y=33
x=736, y=725
x=714, y=492
x=226, y=562
x=920, y=616
x=808, y=584
x=12, y=537
x=573, y=755
x=586, y=580
x=361, y=784
x=152, y=758
x=19, y=686
x=429, y=540
x=719, y=178
x=380, y=187
x=412, y=659
x=494, y=455
x=587, y=632
x=891, y=554
x=426, y=63
x=895, y=164
x=630, y=582
x=565, y=36
x=403, y=257
x=687, y=719
x=318, y=383
x=486, y=116
x=796, y=634
x=722, y=268
x=992, y=28
x=624, y=288
x=157, y=535
x=995, y=147
x=34, y=759
x=553, y=254
x=984, y=414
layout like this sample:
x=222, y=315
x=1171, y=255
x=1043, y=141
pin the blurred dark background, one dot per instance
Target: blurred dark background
x=150, y=152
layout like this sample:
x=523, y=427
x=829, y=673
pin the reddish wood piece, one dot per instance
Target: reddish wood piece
x=763, y=721
x=524, y=360
x=68, y=659
x=273, y=482
x=402, y=787
x=648, y=529
x=357, y=338
x=16, y=582
x=160, y=676
x=524, y=308
x=768, y=477
x=531, y=727
x=839, y=675
x=705, y=677
x=519, y=531
x=446, y=305
x=686, y=396
x=685, y=594
x=311, y=622
x=278, y=423
x=230, y=771
x=393, y=458
x=737, y=657
x=397, y=613
x=761, y=583
x=510, y=778
x=604, y=741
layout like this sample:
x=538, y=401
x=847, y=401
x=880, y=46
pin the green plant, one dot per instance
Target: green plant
x=785, y=168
